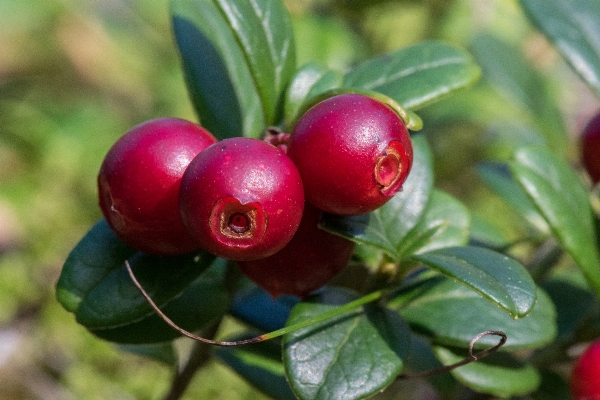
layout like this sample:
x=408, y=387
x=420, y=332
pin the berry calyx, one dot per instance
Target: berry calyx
x=310, y=260
x=590, y=148
x=242, y=199
x=138, y=184
x=388, y=169
x=236, y=223
x=353, y=153
x=585, y=376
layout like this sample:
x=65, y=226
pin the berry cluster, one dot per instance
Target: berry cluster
x=169, y=187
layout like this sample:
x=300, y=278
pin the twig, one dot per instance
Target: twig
x=199, y=356
x=472, y=357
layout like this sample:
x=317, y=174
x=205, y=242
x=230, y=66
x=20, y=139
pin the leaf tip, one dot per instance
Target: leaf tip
x=69, y=300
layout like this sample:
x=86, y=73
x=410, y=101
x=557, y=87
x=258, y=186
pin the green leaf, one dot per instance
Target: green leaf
x=238, y=57
x=499, y=374
x=386, y=227
x=573, y=28
x=351, y=356
x=498, y=177
x=310, y=81
x=509, y=72
x=563, y=201
x=161, y=352
x=445, y=223
x=418, y=75
x=203, y=301
x=498, y=278
x=259, y=364
x=115, y=300
x=453, y=314
x=97, y=253
x=94, y=283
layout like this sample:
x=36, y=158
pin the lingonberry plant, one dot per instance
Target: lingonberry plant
x=319, y=228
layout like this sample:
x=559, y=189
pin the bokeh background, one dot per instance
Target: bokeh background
x=75, y=75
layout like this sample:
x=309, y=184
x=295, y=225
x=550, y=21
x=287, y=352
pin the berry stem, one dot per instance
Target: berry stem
x=199, y=356
x=371, y=297
x=472, y=357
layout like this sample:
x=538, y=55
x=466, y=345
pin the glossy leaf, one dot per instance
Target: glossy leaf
x=259, y=364
x=444, y=223
x=417, y=75
x=573, y=28
x=351, y=356
x=115, y=300
x=95, y=285
x=498, y=177
x=96, y=254
x=238, y=57
x=498, y=278
x=203, y=301
x=387, y=227
x=510, y=73
x=452, y=314
x=499, y=374
x=561, y=198
x=310, y=81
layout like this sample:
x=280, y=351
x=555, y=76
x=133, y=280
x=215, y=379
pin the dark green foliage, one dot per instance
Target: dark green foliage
x=436, y=290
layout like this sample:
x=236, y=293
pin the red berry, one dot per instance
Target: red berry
x=242, y=199
x=310, y=260
x=353, y=153
x=590, y=148
x=138, y=184
x=585, y=377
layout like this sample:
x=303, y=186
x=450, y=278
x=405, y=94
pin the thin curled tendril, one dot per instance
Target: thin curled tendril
x=472, y=356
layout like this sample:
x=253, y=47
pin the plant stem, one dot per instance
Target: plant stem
x=199, y=356
x=545, y=257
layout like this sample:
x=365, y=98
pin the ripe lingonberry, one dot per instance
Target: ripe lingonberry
x=585, y=377
x=590, y=148
x=138, y=184
x=242, y=199
x=310, y=260
x=353, y=153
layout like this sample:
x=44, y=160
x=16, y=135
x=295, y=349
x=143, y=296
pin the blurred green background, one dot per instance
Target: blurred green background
x=74, y=76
